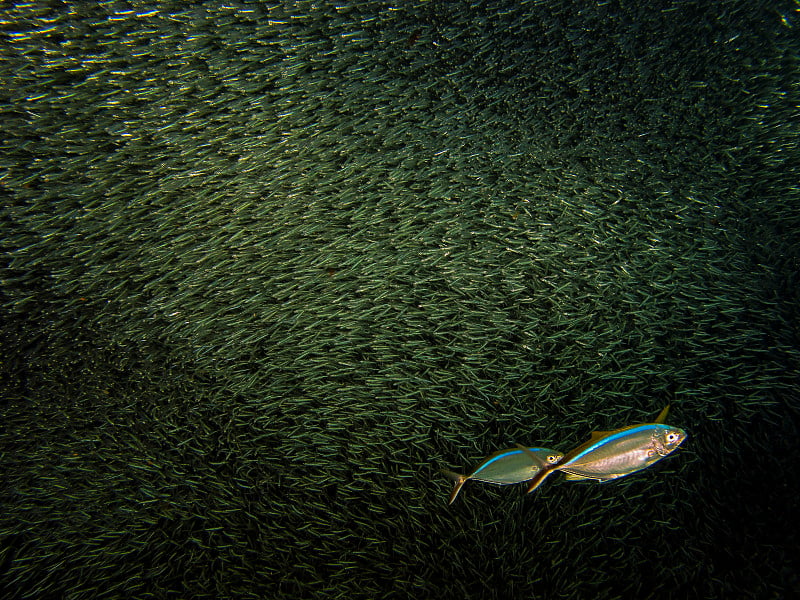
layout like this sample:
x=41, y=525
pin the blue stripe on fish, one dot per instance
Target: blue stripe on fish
x=613, y=438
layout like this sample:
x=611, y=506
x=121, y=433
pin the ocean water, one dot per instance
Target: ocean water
x=268, y=267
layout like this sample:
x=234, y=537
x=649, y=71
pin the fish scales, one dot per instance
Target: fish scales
x=613, y=454
x=623, y=452
x=506, y=467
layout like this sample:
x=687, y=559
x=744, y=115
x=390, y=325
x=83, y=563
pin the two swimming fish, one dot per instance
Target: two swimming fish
x=606, y=455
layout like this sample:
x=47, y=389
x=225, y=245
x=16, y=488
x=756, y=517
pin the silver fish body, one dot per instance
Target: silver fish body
x=614, y=454
x=506, y=467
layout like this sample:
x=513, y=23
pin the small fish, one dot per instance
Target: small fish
x=613, y=454
x=513, y=465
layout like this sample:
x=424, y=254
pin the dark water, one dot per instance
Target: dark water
x=267, y=267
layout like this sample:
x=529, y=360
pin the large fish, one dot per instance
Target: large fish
x=613, y=454
x=513, y=465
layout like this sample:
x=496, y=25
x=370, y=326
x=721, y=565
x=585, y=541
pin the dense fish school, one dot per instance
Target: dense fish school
x=266, y=266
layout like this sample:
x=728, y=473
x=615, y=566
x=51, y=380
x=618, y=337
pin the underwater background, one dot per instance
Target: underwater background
x=268, y=266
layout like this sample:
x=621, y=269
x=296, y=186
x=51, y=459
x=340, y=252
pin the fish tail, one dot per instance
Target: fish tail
x=456, y=478
x=539, y=479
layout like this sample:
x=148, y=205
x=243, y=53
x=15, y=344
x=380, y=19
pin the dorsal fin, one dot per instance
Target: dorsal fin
x=662, y=416
x=599, y=434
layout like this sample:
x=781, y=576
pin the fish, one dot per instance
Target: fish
x=505, y=467
x=610, y=455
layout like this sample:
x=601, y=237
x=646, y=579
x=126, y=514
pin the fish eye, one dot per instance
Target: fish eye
x=672, y=437
x=553, y=458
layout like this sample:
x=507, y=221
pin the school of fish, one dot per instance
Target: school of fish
x=605, y=456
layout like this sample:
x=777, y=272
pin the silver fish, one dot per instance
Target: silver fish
x=505, y=467
x=613, y=454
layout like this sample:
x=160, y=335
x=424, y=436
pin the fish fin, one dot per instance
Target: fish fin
x=456, y=478
x=574, y=476
x=538, y=461
x=662, y=416
x=599, y=434
x=539, y=479
x=452, y=475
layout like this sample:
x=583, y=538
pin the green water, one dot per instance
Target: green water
x=268, y=267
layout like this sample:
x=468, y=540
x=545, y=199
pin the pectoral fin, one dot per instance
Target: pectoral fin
x=574, y=476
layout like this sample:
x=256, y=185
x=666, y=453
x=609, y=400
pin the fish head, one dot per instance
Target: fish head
x=666, y=439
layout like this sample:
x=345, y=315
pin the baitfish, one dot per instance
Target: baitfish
x=513, y=465
x=613, y=454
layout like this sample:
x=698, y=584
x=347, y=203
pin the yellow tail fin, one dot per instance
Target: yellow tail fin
x=456, y=478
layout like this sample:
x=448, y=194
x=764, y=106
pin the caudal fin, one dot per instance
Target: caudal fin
x=457, y=479
x=540, y=477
